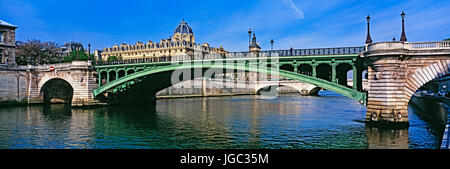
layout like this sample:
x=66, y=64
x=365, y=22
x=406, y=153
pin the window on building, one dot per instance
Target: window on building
x=1, y=36
x=2, y=60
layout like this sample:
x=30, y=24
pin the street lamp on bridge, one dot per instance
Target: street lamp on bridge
x=89, y=52
x=170, y=44
x=291, y=51
x=403, y=37
x=271, y=44
x=368, y=38
x=249, y=36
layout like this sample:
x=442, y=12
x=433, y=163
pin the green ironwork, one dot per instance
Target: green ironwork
x=142, y=70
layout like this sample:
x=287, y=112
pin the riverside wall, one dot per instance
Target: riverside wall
x=14, y=83
x=202, y=87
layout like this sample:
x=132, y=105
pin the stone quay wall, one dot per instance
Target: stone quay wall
x=14, y=84
x=216, y=87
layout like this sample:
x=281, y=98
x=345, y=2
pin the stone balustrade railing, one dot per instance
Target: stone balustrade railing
x=62, y=65
x=409, y=46
x=46, y=67
x=429, y=45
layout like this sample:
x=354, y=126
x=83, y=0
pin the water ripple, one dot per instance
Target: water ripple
x=330, y=121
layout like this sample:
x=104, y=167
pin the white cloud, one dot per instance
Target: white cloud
x=298, y=13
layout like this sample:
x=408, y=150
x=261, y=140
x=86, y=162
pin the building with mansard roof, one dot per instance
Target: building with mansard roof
x=7, y=43
x=182, y=43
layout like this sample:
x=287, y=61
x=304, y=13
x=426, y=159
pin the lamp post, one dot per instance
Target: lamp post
x=170, y=44
x=249, y=36
x=271, y=46
x=403, y=37
x=368, y=38
x=89, y=52
x=291, y=51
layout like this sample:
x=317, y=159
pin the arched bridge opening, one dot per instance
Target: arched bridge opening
x=57, y=91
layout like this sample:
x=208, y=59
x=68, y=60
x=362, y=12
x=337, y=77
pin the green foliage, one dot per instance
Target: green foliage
x=34, y=52
x=448, y=39
x=93, y=58
x=73, y=55
x=114, y=58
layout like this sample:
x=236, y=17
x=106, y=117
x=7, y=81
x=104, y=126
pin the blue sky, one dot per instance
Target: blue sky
x=296, y=23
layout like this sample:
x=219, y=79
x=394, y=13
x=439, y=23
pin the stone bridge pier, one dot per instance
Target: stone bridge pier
x=77, y=77
x=395, y=71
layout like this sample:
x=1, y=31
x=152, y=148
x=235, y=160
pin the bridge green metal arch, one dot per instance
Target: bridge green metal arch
x=353, y=94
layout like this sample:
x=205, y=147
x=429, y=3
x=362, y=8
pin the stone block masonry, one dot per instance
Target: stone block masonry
x=395, y=72
x=26, y=83
x=13, y=86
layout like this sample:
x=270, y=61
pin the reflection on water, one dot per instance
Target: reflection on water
x=290, y=121
x=387, y=138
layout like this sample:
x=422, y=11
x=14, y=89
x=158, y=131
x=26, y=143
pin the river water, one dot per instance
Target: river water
x=330, y=121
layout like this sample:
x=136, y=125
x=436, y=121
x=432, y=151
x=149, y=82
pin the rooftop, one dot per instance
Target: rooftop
x=183, y=28
x=3, y=23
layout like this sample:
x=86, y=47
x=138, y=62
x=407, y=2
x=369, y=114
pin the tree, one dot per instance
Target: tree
x=81, y=54
x=114, y=58
x=448, y=39
x=35, y=52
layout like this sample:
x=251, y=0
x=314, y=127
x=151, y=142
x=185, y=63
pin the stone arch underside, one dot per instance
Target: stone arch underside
x=160, y=78
x=56, y=90
x=424, y=75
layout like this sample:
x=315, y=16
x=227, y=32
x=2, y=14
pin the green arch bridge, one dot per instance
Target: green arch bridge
x=139, y=79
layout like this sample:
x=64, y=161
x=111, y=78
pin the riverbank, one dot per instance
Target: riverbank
x=446, y=139
x=445, y=144
x=433, y=107
x=436, y=110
